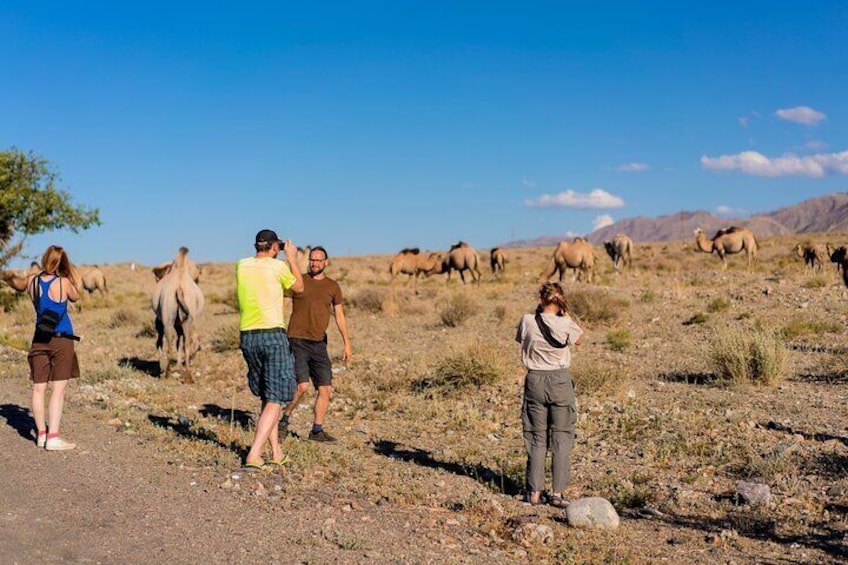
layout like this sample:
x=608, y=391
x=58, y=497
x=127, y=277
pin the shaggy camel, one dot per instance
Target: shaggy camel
x=726, y=242
x=177, y=302
x=412, y=262
x=497, y=259
x=577, y=254
x=620, y=250
x=19, y=282
x=303, y=258
x=462, y=257
x=813, y=255
x=162, y=269
x=91, y=279
x=837, y=255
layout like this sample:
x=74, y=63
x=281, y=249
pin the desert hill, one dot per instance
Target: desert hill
x=816, y=215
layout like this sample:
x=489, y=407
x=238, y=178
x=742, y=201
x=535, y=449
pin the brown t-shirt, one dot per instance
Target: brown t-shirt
x=312, y=308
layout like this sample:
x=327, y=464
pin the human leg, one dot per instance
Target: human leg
x=266, y=424
x=57, y=403
x=322, y=403
x=534, y=419
x=39, y=391
x=563, y=416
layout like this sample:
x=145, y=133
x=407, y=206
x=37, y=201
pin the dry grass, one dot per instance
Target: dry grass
x=465, y=366
x=754, y=355
x=458, y=309
x=596, y=306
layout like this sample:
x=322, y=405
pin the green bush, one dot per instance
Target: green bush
x=718, y=305
x=754, y=355
x=698, y=318
x=796, y=328
x=10, y=300
x=619, y=340
x=815, y=282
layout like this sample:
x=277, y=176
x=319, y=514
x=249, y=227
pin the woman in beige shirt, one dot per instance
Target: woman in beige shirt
x=548, y=412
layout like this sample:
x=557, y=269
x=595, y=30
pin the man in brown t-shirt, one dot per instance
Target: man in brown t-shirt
x=307, y=333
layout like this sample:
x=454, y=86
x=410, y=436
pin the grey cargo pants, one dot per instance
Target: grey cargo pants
x=548, y=416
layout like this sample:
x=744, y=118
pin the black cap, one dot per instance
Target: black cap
x=267, y=236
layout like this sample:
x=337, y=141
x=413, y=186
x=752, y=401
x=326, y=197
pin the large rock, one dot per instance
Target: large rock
x=592, y=512
x=753, y=493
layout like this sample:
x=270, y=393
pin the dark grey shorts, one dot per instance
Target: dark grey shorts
x=311, y=362
x=270, y=368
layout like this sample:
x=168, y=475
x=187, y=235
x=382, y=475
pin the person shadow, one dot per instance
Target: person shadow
x=499, y=481
x=241, y=418
x=185, y=427
x=19, y=419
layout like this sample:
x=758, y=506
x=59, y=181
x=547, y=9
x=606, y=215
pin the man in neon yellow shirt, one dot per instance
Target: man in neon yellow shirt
x=261, y=282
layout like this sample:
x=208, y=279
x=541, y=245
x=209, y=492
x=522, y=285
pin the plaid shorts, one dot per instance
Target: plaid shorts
x=270, y=365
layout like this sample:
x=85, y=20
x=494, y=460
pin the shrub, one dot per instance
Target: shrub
x=109, y=373
x=121, y=318
x=595, y=306
x=368, y=300
x=647, y=296
x=227, y=338
x=755, y=355
x=471, y=365
x=148, y=329
x=815, y=282
x=698, y=318
x=619, y=340
x=796, y=328
x=10, y=300
x=499, y=312
x=718, y=305
x=598, y=378
x=13, y=341
x=458, y=309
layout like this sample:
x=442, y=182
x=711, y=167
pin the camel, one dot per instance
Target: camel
x=412, y=262
x=726, y=242
x=162, y=269
x=91, y=279
x=813, y=255
x=19, y=282
x=497, y=259
x=837, y=255
x=462, y=257
x=577, y=254
x=303, y=258
x=177, y=302
x=620, y=250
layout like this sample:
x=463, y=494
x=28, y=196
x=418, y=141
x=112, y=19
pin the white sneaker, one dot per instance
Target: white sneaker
x=58, y=444
x=40, y=440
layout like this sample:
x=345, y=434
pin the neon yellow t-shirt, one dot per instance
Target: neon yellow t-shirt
x=260, y=284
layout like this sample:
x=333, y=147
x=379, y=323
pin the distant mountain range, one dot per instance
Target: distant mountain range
x=817, y=215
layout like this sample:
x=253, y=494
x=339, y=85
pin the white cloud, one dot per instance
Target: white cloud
x=527, y=183
x=754, y=163
x=801, y=115
x=602, y=221
x=815, y=145
x=598, y=198
x=723, y=210
x=632, y=168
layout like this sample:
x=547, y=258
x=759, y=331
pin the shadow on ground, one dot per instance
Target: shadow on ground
x=692, y=378
x=754, y=525
x=500, y=482
x=19, y=419
x=810, y=436
x=241, y=418
x=185, y=428
x=142, y=365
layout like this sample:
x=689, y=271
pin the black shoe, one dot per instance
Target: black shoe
x=283, y=428
x=321, y=436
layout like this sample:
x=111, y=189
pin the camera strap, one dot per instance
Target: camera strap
x=546, y=333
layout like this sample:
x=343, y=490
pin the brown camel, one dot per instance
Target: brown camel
x=303, y=258
x=497, y=259
x=726, y=242
x=412, y=262
x=577, y=254
x=91, y=279
x=162, y=269
x=462, y=257
x=620, y=250
x=177, y=302
x=814, y=255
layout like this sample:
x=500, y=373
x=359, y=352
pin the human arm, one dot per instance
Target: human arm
x=290, y=251
x=69, y=286
x=341, y=322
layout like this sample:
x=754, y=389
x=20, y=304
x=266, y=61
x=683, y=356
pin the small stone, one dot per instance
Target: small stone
x=531, y=533
x=753, y=493
x=835, y=491
x=228, y=484
x=592, y=512
x=347, y=508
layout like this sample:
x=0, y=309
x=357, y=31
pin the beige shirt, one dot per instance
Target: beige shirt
x=536, y=353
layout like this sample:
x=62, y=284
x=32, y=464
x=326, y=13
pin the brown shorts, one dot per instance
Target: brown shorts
x=55, y=360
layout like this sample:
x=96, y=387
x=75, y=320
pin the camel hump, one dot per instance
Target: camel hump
x=410, y=251
x=458, y=245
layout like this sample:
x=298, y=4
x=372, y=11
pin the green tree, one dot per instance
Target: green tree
x=31, y=204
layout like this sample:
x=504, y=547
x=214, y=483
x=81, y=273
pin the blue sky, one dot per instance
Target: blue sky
x=372, y=126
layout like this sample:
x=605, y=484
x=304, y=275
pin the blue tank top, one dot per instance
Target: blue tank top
x=46, y=303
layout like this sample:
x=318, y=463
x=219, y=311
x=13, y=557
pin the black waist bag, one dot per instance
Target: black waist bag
x=546, y=333
x=48, y=321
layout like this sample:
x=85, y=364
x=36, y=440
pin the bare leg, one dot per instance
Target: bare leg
x=322, y=402
x=57, y=402
x=267, y=421
x=274, y=440
x=298, y=396
x=39, y=391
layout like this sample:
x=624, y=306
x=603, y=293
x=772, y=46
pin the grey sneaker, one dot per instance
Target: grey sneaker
x=321, y=436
